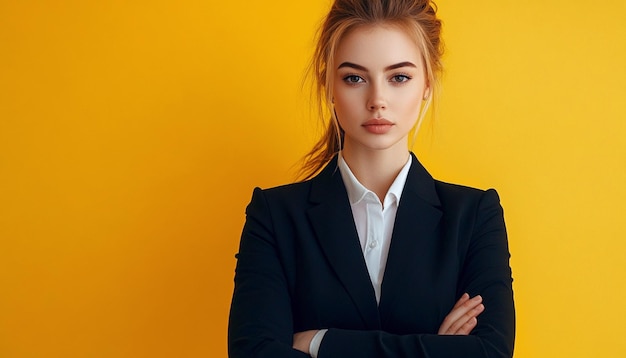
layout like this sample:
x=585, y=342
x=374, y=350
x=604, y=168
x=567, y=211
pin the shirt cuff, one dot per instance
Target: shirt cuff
x=314, y=346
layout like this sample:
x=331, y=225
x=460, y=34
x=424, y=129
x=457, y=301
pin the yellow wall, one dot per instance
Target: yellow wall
x=132, y=134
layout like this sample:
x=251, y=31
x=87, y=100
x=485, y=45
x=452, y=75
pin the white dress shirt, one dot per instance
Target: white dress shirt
x=374, y=224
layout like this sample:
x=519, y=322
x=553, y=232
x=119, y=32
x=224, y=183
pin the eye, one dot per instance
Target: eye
x=353, y=79
x=400, y=78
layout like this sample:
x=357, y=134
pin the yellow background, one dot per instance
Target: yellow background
x=133, y=133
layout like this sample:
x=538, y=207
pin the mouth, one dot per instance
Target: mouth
x=378, y=121
x=378, y=126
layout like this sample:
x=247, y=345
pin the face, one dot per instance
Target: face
x=378, y=88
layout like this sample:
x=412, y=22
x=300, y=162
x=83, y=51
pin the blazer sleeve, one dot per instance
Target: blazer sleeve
x=261, y=322
x=485, y=271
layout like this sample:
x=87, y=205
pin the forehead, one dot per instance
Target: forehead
x=377, y=46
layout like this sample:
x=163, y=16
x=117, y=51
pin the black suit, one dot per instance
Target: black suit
x=300, y=267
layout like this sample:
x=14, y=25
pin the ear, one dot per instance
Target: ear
x=426, y=93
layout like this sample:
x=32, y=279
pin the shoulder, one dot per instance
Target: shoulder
x=286, y=191
x=459, y=192
x=285, y=197
x=471, y=210
x=326, y=183
x=455, y=197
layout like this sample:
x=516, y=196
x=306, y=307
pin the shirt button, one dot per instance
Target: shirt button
x=373, y=244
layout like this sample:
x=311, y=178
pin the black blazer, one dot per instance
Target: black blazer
x=300, y=267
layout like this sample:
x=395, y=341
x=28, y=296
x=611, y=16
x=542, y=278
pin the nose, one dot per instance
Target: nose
x=376, y=98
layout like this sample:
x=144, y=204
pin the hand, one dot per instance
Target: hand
x=302, y=340
x=462, y=319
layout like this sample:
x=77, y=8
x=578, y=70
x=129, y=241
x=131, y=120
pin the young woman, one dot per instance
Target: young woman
x=372, y=257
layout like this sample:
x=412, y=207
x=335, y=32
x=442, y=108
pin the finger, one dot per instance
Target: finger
x=448, y=320
x=467, y=328
x=458, y=312
x=464, y=319
x=473, y=313
x=461, y=300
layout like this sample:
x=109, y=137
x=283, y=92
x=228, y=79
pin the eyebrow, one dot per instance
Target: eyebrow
x=388, y=68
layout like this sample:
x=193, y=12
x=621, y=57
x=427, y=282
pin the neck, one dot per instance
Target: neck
x=376, y=169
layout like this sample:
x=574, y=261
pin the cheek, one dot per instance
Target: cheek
x=345, y=103
x=411, y=100
x=343, y=112
x=345, y=96
x=409, y=111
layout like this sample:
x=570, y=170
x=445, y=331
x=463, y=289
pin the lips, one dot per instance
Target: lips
x=378, y=125
x=378, y=121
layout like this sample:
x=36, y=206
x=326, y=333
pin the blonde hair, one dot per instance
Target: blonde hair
x=416, y=17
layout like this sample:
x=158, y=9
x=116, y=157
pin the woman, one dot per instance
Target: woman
x=372, y=257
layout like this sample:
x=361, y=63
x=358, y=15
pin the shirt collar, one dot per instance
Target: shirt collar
x=356, y=190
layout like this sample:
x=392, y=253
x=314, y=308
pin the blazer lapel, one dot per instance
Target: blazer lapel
x=334, y=227
x=413, y=236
